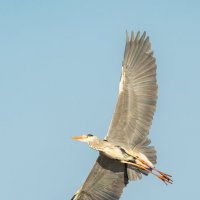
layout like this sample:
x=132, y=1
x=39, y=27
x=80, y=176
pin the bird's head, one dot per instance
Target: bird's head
x=85, y=138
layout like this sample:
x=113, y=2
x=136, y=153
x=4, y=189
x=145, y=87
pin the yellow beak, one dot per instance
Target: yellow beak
x=81, y=137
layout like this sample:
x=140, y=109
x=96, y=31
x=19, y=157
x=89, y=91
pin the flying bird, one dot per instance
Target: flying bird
x=125, y=153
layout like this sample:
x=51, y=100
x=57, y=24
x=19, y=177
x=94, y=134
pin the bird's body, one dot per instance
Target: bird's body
x=110, y=150
x=117, y=152
x=125, y=153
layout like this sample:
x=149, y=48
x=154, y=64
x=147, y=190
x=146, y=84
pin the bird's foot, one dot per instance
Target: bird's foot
x=165, y=179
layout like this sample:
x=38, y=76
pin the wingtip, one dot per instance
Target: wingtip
x=137, y=36
x=132, y=36
x=143, y=35
x=127, y=36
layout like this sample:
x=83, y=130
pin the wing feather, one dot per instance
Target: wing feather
x=106, y=181
x=137, y=93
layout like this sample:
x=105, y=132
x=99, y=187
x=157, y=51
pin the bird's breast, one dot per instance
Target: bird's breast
x=114, y=153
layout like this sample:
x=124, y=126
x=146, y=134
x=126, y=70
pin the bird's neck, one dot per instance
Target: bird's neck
x=96, y=144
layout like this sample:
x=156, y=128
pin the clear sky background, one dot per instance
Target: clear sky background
x=60, y=64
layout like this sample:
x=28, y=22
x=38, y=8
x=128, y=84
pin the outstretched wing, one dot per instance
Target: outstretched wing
x=106, y=181
x=137, y=94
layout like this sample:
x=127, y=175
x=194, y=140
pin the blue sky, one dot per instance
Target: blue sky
x=59, y=72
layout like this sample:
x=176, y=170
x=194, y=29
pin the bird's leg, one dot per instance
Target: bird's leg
x=166, y=180
x=140, y=167
x=166, y=176
x=145, y=163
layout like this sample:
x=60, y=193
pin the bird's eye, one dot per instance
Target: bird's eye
x=89, y=135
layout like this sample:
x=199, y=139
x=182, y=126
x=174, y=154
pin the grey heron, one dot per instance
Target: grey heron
x=125, y=153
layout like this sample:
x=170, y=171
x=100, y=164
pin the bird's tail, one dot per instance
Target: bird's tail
x=147, y=151
x=134, y=173
x=145, y=159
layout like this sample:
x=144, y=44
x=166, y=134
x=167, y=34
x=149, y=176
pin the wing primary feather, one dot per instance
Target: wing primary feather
x=132, y=52
x=132, y=37
x=137, y=36
x=126, y=48
x=142, y=44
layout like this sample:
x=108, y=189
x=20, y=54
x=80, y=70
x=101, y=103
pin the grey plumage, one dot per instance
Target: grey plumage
x=137, y=101
x=126, y=140
x=106, y=181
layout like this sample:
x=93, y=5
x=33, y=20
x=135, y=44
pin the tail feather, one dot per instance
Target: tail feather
x=148, y=151
x=133, y=173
